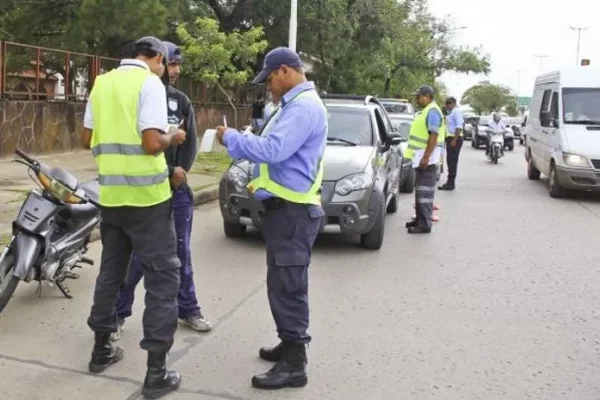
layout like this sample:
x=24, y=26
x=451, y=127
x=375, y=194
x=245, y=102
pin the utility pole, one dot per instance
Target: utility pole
x=293, y=25
x=578, y=29
x=541, y=57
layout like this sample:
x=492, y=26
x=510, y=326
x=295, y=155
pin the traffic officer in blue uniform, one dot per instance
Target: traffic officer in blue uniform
x=287, y=179
x=179, y=160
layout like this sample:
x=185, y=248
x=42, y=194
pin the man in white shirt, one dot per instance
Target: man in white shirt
x=496, y=125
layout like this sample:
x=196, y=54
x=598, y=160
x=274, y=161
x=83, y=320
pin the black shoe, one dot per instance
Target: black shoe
x=290, y=371
x=412, y=224
x=418, y=229
x=104, y=354
x=159, y=381
x=447, y=186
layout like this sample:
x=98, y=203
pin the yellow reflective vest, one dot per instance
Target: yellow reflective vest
x=128, y=176
x=263, y=181
x=419, y=134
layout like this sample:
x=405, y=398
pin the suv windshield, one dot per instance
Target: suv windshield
x=396, y=107
x=350, y=125
x=580, y=106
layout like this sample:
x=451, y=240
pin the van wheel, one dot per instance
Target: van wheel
x=532, y=172
x=555, y=190
x=234, y=230
x=373, y=239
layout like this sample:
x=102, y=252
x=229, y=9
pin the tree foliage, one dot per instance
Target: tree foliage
x=486, y=97
x=384, y=47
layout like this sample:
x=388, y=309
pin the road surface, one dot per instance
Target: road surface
x=500, y=302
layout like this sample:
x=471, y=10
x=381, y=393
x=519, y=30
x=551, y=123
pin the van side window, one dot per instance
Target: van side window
x=554, y=106
x=545, y=102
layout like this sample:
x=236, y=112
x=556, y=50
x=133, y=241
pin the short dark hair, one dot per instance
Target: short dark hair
x=450, y=100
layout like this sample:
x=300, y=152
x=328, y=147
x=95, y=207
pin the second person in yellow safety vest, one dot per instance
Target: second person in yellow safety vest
x=288, y=175
x=425, y=148
x=124, y=125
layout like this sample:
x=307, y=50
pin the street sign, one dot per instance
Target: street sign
x=585, y=62
x=524, y=102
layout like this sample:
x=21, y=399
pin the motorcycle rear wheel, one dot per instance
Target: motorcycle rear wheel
x=8, y=282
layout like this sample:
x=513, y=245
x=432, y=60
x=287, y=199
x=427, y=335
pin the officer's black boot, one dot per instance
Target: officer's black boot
x=104, y=354
x=159, y=381
x=449, y=185
x=290, y=371
x=273, y=354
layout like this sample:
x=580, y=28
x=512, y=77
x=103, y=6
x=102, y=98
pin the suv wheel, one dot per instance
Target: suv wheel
x=408, y=186
x=374, y=239
x=234, y=230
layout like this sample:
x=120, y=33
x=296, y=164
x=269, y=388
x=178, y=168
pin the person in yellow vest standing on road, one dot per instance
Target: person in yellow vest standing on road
x=425, y=146
x=287, y=179
x=124, y=126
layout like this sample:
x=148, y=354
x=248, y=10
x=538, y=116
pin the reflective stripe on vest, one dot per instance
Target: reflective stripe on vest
x=263, y=181
x=419, y=134
x=128, y=176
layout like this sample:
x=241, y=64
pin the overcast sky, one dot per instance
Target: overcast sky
x=512, y=32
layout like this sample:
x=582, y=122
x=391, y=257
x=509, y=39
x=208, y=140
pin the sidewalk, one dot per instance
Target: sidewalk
x=15, y=183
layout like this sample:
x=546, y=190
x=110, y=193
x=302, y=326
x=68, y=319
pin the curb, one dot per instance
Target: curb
x=202, y=196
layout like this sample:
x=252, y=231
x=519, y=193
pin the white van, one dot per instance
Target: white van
x=563, y=130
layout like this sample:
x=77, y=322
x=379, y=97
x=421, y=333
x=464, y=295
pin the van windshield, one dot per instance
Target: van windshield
x=580, y=106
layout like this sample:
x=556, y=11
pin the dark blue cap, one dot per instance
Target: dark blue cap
x=173, y=52
x=275, y=59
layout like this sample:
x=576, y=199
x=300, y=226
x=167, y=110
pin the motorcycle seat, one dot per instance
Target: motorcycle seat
x=87, y=210
x=92, y=189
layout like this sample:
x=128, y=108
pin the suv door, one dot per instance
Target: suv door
x=387, y=159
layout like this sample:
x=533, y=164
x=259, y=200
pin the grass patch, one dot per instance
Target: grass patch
x=4, y=239
x=21, y=195
x=214, y=164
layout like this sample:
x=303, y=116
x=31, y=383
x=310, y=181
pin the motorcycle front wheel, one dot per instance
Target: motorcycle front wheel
x=8, y=282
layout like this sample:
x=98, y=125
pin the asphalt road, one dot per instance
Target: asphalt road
x=500, y=302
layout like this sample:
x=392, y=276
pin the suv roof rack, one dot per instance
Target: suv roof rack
x=368, y=99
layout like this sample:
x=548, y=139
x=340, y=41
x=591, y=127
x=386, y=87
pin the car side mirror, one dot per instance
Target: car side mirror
x=396, y=139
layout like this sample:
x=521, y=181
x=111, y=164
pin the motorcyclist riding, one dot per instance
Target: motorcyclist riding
x=496, y=125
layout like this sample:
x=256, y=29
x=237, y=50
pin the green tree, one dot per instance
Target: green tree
x=210, y=53
x=486, y=97
x=511, y=108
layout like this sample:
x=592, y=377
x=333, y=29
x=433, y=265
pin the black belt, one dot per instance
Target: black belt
x=277, y=203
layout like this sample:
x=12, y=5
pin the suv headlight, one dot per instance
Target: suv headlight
x=353, y=183
x=238, y=176
x=574, y=160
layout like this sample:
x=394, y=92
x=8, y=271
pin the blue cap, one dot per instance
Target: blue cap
x=173, y=52
x=275, y=59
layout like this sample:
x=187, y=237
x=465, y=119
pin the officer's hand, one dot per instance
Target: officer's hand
x=178, y=137
x=221, y=132
x=178, y=177
x=424, y=163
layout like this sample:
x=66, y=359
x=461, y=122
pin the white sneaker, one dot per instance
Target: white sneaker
x=116, y=336
x=197, y=323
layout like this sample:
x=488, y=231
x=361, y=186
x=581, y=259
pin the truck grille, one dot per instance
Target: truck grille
x=596, y=164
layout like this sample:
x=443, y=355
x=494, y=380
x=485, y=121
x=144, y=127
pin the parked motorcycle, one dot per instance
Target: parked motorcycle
x=496, y=140
x=51, y=232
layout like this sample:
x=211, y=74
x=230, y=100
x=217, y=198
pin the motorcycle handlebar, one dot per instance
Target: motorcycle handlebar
x=24, y=156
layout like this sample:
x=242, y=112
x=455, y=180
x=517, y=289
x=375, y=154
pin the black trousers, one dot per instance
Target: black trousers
x=290, y=232
x=452, y=154
x=150, y=233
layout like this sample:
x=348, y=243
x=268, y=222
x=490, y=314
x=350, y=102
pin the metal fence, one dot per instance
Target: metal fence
x=38, y=73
